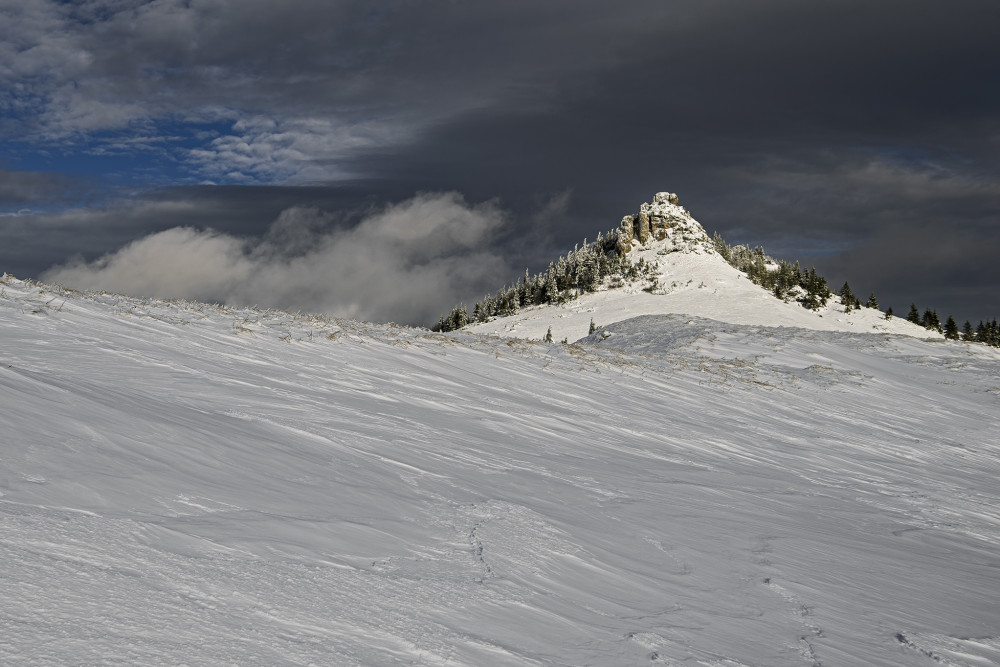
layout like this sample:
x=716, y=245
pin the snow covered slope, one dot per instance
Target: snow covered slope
x=188, y=484
x=692, y=280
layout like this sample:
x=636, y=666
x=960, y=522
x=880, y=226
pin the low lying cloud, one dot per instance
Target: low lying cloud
x=407, y=262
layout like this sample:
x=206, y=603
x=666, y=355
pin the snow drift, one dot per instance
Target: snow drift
x=184, y=483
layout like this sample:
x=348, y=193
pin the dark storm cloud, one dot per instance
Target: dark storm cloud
x=913, y=231
x=857, y=136
x=848, y=133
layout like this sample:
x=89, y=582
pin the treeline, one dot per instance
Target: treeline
x=582, y=270
x=586, y=268
x=814, y=292
x=987, y=332
x=782, y=281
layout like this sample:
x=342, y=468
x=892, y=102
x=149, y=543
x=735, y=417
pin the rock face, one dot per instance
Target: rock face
x=662, y=220
x=642, y=226
x=626, y=232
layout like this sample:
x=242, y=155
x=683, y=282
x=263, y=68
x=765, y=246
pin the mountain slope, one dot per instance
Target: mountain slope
x=182, y=483
x=692, y=279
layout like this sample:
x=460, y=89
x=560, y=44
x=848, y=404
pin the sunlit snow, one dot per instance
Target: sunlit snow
x=189, y=484
x=692, y=279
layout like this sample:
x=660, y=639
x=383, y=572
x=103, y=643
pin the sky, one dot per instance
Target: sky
x=387, y=160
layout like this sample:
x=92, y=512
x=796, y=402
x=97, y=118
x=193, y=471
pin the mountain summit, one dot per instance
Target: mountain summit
x=682, y=272
x=664, y=221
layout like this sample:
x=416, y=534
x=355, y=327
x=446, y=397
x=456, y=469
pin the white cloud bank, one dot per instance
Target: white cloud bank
x=408, y=262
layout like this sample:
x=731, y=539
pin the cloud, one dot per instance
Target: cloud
x=407, y=262
x=906, y=226
x=264, y=150
x=751, y=111
x=29, y=187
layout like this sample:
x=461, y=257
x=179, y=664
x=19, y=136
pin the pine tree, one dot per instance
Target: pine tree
x=931, y=320
x=967, y=332
x=589, y=271
x=550, y=293
x=548, y=335
x=847, y=297
x=593, y=327
x=888, y=313
x=951, y=329
x=722, y=248
x=872, y=302
x=914, y=314
x=458, y=319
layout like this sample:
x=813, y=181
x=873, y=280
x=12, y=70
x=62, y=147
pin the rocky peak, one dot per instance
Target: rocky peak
x=664, y=220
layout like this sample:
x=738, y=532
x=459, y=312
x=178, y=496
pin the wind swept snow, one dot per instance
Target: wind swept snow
x=190, y=484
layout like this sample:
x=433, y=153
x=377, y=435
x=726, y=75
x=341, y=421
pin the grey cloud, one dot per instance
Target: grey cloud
x=19, y=188
x=32, y=241
x=825, y=128
x=913, y=231
x=298, y=150
x=101, y=64
x=406, y=262
x=415, y=65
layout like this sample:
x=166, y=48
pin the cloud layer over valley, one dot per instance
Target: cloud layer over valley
x=399, y=263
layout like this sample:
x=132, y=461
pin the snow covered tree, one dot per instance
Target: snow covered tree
x=593, y=327
x=722, y=248
x=589, y=272
x=550, y=293
x=872, y=302
x=548, y=335
x=458, y=319
x=479, y=313
x=816, y=290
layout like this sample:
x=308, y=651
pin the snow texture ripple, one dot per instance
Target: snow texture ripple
x=190, y=484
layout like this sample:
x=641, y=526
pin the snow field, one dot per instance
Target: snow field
x=188, y=484
x=696, y=282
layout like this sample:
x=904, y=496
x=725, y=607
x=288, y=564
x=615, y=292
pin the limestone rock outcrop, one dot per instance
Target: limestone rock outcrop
x=662, y=220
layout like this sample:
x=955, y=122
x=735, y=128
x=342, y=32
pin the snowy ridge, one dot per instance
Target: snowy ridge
x=189, y=484
x=691, y=279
